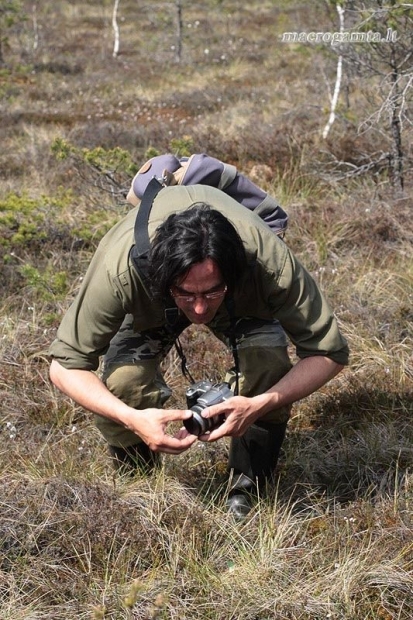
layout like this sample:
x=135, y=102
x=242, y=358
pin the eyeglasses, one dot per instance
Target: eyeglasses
x=189, y=298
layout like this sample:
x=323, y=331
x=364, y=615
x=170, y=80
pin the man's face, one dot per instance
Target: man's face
x=191, y=294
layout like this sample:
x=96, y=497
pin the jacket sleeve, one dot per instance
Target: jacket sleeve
x=92, y=319
x=305, y=314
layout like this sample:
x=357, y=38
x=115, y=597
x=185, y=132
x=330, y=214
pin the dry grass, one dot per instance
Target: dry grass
x=334, y=538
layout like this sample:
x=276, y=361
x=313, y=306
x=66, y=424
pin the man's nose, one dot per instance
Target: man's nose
x=200, y=305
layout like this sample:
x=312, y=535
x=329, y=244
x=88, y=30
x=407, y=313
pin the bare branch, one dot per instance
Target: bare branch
x=342, y=170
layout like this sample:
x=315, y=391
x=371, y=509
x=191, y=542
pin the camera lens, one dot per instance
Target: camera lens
x=197, y=425
x=200, y=396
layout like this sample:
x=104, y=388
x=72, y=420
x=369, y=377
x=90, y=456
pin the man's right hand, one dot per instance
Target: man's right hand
x=151, y=425
x=85, y=388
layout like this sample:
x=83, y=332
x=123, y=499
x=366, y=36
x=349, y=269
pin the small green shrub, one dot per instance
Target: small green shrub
x=25, y=221
x=109, y=170
x=47, y=285
x=111, y=161
x=182, y=147
x=47, y=222
x=34, y=231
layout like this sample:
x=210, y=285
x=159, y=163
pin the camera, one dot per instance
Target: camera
x=201, y=395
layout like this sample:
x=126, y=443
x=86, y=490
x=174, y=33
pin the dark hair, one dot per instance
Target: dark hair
x=190, y=237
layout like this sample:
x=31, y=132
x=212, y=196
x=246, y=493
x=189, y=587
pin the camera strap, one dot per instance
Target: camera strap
x=230, y=305
x=184, y=365
x=171, y=316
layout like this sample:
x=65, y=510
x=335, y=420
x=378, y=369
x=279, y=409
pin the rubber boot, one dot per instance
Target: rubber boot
x=134, y=459
x=252, y=461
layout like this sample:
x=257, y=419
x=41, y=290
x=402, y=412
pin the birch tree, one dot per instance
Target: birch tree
x=115, y=26
x=175, y=7
x=339, y=72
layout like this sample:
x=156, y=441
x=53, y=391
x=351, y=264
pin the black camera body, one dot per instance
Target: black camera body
x=201, y=395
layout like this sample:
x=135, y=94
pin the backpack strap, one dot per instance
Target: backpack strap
x=140, y=251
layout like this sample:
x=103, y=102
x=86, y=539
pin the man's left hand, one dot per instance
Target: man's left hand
x=240, y=412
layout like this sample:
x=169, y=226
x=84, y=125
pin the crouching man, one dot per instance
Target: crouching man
x=215, y=263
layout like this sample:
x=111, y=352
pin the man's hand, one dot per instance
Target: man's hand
x=151, y=425
x=85, y=388
x=307, y=376
x=240, y=412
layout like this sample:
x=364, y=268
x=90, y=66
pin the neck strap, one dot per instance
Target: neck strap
x=229, y=302
x=171, y=315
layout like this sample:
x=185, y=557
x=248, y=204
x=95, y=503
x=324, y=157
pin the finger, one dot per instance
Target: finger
x=177, y=414
x=221, y=408
x=214, y=435
x=182, y=434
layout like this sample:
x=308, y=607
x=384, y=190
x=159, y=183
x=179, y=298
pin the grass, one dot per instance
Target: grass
x=333, y=539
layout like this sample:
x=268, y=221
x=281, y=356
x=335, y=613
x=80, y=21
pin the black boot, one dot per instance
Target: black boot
x=134, y=459
x=252, y=461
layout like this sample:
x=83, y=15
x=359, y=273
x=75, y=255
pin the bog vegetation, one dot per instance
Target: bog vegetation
x=334, y=538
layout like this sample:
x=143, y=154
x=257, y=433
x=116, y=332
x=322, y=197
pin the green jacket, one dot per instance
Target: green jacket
x=276, y=287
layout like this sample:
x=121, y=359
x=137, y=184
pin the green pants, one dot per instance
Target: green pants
x=131, y=368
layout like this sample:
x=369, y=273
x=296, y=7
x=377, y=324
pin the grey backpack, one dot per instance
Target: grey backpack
x=206, y=170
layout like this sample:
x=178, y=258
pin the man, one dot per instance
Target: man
x=215, y=263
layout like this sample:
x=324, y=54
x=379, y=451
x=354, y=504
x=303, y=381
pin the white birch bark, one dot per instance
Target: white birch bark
x=339, y=73
x=115, y=26
x=35, y=28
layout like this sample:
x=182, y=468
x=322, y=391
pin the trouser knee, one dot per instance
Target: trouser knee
x=138, y=385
